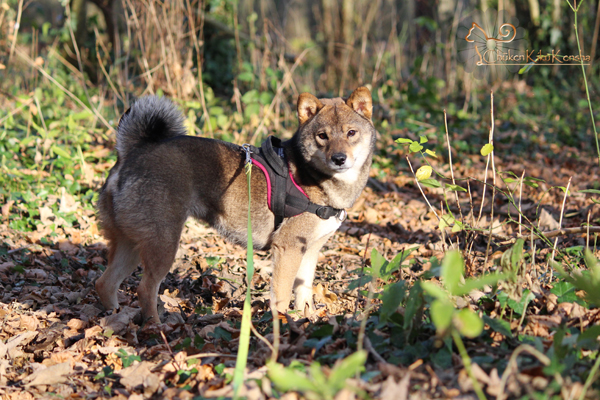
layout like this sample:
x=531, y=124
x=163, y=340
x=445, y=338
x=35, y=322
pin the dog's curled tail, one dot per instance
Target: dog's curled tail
x=150, y=119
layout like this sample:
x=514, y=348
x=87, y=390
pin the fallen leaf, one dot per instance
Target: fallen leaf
x=118, y=322
x=49, y=376
x=135, y=375
x=390, y=390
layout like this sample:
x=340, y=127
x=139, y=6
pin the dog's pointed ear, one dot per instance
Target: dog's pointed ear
x=361, y=102
x=308, y=106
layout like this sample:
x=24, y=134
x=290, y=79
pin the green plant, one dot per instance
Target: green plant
x=444, y=315
x=316, y=383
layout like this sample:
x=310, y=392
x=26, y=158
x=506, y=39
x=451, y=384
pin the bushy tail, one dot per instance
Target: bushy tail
x=150, y=119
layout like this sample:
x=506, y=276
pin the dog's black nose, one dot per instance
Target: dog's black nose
x=338, y=158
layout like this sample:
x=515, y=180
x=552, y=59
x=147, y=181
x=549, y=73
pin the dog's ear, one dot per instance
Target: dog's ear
x=361, y=102
x=308, y=106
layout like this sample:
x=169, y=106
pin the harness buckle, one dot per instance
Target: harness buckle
x=342, y=215
x=322, y=212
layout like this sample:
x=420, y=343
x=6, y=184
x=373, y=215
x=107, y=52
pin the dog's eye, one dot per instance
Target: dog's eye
x=322, y=136
x=351, y=133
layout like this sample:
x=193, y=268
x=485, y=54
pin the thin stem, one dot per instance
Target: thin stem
x=363, y=322
x=590, y=378
x=562, y=211
x=520, y=197
x=421, y=189
x=587, y=90
x=467, y=362
x=491, y=155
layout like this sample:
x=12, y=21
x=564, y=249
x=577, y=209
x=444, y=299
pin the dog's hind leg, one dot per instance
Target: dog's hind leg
x=123, y=258
x=157, y=259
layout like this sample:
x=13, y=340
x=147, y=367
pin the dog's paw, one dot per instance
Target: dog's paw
x=304, y=300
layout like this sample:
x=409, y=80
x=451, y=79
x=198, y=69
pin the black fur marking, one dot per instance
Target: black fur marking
x=303, y=241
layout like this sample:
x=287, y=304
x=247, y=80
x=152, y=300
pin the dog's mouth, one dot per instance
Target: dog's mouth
x=339, y=168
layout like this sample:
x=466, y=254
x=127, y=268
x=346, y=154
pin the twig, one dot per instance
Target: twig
x=587, y=90
x=286, y=79
x=64, y=89
x=587, y=237
x=520, y=197
x=164, y=338
x=491, y=155
x=450, y=162
x=512, y=364
x=205, y=355
x=562, y=211
x=16, y=33
x=549, y=234
x=421, y=189
x=262, y=338
x=192, y=21
x=374, y=353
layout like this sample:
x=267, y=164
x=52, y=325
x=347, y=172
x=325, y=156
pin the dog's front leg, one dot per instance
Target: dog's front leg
x=303, y=283
x=295, y=253
x=287, y=258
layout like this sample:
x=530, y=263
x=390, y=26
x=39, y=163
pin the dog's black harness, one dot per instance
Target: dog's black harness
x=284, y=197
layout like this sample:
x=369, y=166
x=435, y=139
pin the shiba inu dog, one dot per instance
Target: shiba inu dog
x=162, y=177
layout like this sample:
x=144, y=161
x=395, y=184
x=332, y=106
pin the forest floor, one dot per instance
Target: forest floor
x=57, y=341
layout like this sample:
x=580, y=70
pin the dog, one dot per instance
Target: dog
x=162, y=177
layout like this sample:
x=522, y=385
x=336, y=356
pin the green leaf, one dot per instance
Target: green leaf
x=589, y=338
x=403, y=140
x=250, y=96
x=517, y=254
x=453, y=268
x=395, y=264
x=61, y=152
x=562, y=288
x=434, y=290
x=360, y=282
x=446, y=220
x=588, y=281
x=246, y=76
x=430, y=183
x=286, y=379
x=347, y=368
x=441, y=315
x=468, y=323
x=251, y=109
x=391, y=299
x=455, y=188
x=521, y=306
x=415, y=147
x=487, y=149
x=478, y=283
x=414, y=304
x=431, y=153
x=422, y=139
x=498, y=325
x=378, y=262
x=593, y=191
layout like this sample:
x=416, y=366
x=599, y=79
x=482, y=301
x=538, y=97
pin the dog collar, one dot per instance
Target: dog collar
x=285, y=197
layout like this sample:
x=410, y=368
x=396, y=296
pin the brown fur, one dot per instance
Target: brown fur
x=163, y=177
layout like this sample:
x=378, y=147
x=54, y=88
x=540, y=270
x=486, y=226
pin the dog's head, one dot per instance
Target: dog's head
x=336, y=136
